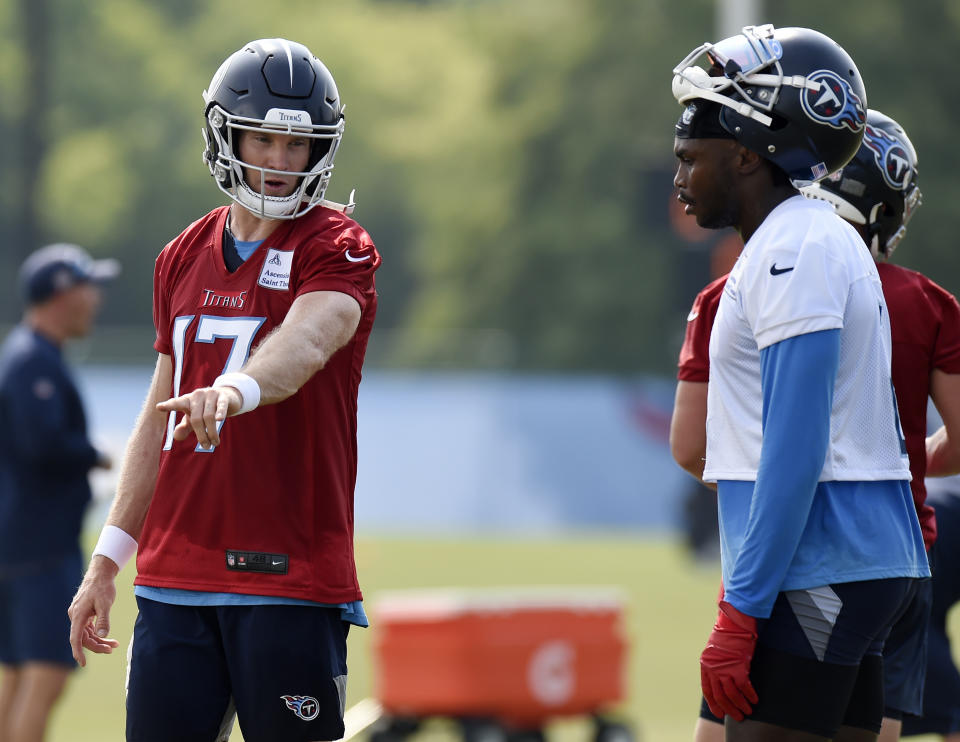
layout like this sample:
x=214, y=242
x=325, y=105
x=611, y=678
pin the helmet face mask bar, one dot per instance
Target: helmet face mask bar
x=228, y=169
x=792, y=95
x=276, y=86
x=738, y=64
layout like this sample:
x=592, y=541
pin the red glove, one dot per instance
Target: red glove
x=725, y=663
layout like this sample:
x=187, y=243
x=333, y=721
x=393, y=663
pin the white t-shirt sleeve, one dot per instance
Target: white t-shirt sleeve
x=792, y=292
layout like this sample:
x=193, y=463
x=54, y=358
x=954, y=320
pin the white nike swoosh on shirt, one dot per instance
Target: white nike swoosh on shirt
x=693, y=315
x=353, y=259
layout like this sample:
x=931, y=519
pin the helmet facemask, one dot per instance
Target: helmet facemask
x=791, y=95
x=889, y=231
x=222, y=137
x=742, y=72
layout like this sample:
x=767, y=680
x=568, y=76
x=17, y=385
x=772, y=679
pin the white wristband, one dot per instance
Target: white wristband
x=247, y=386
x=116, y=544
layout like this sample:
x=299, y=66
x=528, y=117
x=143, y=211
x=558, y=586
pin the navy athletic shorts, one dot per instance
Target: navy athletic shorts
x=941, y=696
x=33, y=611
x=281, y=669
x=905, y=654
x=817, y=665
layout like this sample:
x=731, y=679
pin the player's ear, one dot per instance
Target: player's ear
x=747, y=161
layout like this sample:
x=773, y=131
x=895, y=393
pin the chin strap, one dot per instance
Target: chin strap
x=346, y=209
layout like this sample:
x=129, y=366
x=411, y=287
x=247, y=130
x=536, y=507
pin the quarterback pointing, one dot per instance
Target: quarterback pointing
x=819, y=537
x=241, y=511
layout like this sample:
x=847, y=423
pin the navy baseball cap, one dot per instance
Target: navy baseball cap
x=55, y=268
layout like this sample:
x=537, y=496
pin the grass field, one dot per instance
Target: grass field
x=670, y=607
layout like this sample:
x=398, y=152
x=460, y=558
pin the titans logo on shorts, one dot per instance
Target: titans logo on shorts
x=306, y=707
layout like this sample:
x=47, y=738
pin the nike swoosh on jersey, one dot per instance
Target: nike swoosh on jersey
x=774, y=271
x=694, y=313
x=353, y=259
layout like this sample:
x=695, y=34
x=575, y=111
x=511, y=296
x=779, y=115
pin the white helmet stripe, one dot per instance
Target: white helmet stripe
x=289, y=51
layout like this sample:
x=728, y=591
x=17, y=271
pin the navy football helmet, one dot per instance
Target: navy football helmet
x=792, y=95
x=278, y=85
x=878, y=187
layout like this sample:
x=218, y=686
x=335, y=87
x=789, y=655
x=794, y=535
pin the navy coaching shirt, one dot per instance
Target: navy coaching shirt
x=45, y=453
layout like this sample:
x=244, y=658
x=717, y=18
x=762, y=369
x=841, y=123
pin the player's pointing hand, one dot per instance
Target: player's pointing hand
x=204, y=410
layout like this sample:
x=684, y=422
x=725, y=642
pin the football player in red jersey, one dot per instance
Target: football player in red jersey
x=236, y=491
x=688, y=424
x=877, y=192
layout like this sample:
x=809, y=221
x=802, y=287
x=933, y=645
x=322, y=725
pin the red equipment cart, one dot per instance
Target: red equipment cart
x=501, y=662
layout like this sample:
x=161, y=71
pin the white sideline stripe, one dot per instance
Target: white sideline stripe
x=359, y=716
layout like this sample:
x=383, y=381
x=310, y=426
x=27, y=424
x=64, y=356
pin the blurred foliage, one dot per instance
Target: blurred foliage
x=512, y=158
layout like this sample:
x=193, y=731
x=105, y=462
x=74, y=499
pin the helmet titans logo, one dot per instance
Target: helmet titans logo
x=890, y=156
x=306, y=707
x=833, y=102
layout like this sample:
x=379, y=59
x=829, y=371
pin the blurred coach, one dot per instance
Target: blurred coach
x=45, y=456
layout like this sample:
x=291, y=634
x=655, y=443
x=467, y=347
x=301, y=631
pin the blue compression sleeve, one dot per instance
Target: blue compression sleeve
x=797, y=380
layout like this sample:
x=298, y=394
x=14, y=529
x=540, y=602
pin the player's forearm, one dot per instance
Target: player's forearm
x=138, y=475
x=283, y=363
x=141, y=461
x=798, y=375
x=943, y=447
x=688, y=438
x=689, y=456
x=316, y=327
x=943, y=457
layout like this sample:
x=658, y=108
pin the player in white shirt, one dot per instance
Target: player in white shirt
x=819, y=535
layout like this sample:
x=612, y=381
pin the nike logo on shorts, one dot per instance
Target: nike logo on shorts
x=774, y=271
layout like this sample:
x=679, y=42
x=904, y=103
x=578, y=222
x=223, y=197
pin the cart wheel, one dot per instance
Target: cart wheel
x=526, y=735
x=482, y=730
x=612, y=731
x=385, y=735
x=394, y=728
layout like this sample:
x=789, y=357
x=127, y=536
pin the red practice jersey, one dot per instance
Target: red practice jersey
x=925, y=327
x=270, y=510
x=694, y=363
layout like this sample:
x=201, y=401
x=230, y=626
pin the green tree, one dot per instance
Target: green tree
x=512, y=158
